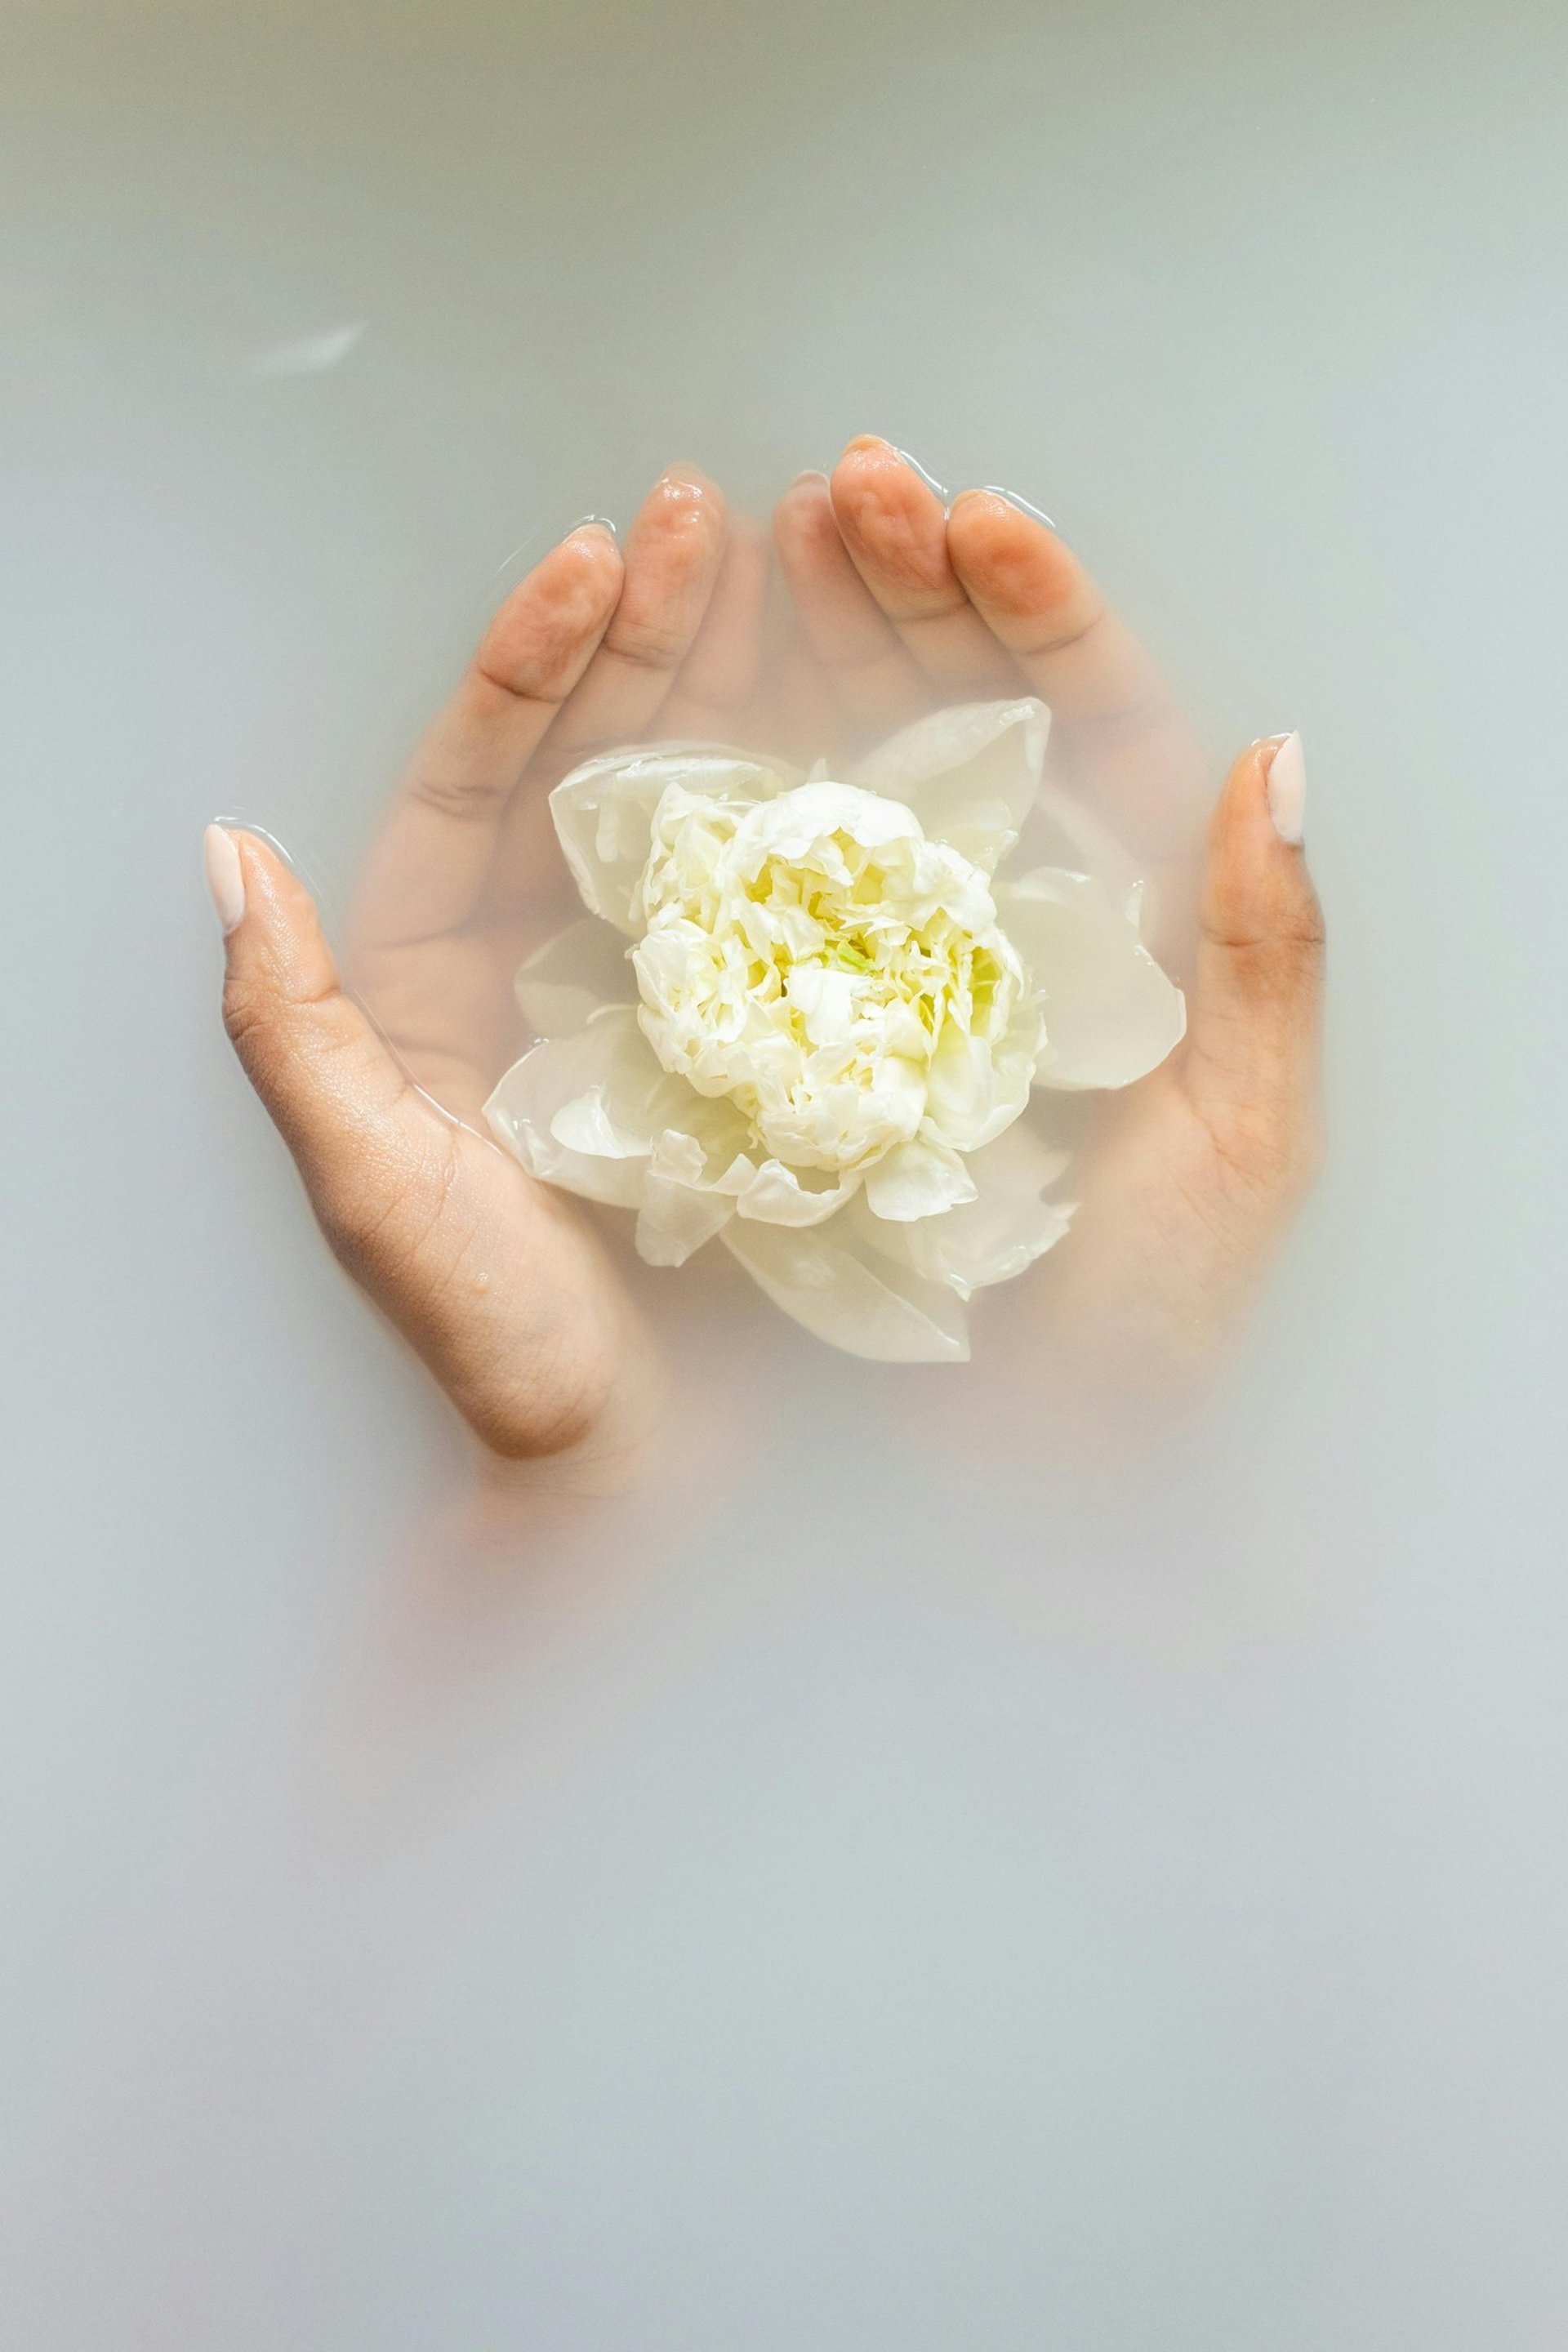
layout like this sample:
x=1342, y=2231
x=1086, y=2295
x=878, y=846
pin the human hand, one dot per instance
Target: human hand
x=501, y=1286
x=1190, y=1179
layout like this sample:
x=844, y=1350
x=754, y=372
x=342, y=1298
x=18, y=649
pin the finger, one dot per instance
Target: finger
x=720, y=673
x=425, y=1216
x=364, y=1140
x=895, y=528
x=800, y=714
x=1102, y=687
x=673, y=554
x=426, y=869
x=876, y=677
x=1251, y=1067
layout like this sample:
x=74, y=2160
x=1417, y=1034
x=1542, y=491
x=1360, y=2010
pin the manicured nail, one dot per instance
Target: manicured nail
x=1288, y=789
x=593, y=522
x=226, y=879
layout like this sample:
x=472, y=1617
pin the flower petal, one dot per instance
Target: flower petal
x=970, y=774
x=676, y=1219
x=1112, y=1016
x=1060, y=831
x=775, y=1195
x=696, y=1175
x=800, y=820
x=835, y=1283
x=917, y=1180
x=975, y=1090
x=1003, y=1229
x=565, y=982
x=582, y=1111
x=603, y=813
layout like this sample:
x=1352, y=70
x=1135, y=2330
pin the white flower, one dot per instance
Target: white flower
x=841, y=979
x=821, y=1041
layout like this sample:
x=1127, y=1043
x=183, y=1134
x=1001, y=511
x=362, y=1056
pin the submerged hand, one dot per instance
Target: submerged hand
x=899, y=605
x=502, y=1288
x=1193, y=1175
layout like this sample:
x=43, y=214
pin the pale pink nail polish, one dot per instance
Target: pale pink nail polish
x=1287, y=790
x=226, y=879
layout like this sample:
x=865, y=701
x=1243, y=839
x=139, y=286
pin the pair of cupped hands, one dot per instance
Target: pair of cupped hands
x=879, y=599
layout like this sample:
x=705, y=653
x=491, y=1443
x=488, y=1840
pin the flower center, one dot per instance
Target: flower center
x=811, y=957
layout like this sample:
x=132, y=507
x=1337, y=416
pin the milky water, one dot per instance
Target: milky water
x=913, y=1891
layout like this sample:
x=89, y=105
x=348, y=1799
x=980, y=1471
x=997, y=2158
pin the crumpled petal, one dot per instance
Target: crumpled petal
x=582, y=1111
x=975, y=1089
x=565, y=982
x=917, y=1180
x=970, y=774
x=718, y=1189
x=1112, y=1016
x=676, y=1217
x=792, y=824
x=696, y=1174
x=775, y=1195
x=1002, y=1229
x=603, y=813
x=831, y=1280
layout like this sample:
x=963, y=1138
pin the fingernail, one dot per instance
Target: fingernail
x=811, y=474
x=1288, y=789
x=593, y=522
x=226, y=879
x=1011, y=499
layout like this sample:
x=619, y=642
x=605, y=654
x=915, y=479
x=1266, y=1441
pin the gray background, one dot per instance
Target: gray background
x=931, y=1904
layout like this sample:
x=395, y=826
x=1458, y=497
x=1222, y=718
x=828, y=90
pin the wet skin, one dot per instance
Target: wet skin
x=883, y=604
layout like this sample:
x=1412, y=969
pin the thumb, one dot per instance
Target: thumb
x=1252, y=1065
x=329, y=1085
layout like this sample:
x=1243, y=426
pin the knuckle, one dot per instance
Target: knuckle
x=271, y=1028
x=1301, y=928
x=1283, y=964
x=649, y=642
x=476, y=796
x=1295, y=960
x=1272, y=1152
x=250, y=1018
x=1309, y=930
x=531, y=658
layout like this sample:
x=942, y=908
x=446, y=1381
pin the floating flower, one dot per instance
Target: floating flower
x=805, y=1016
